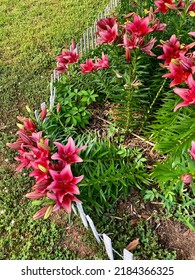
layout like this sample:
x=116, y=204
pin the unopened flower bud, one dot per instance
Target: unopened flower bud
x=28, y=109
x=20, y=126
x=186, y=178
x=43, y=113
x=58, y=107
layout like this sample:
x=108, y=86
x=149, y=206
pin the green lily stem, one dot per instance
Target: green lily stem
x=153, y=102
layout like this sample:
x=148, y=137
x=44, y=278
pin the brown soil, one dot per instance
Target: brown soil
x=75, y=240
x=172, y=235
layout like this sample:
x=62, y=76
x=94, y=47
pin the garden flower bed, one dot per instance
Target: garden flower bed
x=121, y=125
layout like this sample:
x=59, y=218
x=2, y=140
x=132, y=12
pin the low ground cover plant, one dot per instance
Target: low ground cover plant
x=143, y=65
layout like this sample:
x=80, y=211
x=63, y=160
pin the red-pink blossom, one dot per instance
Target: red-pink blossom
x=24, y=158
x=28, y=124
x=41, y=170
x=64, y=182
x=191, y=8
x=192, y=34
x=172, y=49
x=61, y=68
x=65, y=201
x=192, y=150
x=88, y=66
x=67, y=57
x=186, y=178
x=63, y=187
x=139, y=27
x=107, y=30
x=188, y=95
x=68, y=153
x=148, y=46
x=177, y=73
x=103, y=23
x=164, y=5
x=103, y=62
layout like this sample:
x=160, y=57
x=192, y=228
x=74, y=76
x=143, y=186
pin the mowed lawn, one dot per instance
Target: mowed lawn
x=32, y=33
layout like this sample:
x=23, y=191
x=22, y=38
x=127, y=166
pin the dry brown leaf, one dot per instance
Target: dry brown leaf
x=133, y=244
x=187, y=232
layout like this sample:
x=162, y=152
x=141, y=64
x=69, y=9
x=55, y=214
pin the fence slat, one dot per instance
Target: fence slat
x=93, y=228
x=108, y=246
x=82, y=214
x=88, y=38
x=84, y=42
x=127, y=255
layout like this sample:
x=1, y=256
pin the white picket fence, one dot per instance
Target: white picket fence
x=89, y=40
x=88, y=223
x=86, y=43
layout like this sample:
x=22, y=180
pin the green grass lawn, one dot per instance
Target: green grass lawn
x=32, y=34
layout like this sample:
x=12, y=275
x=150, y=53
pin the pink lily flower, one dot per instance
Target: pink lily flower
x=61, y=68
x=24, y=158
x=41, y=186
x=172, y=49
x=188, y=63
x=177, y=74
x=108, y=35
x=16, y=145
x=107, y=30
x=67, y=57
x=25, y=138
x=29, y=125
x=68, y=153
x=102, y=62
x=164, y=5
x=191, y=8
x=192, y=151
x=129, y=44
x=148, y=46
x=64, y=182
x=192, y=34
x=103, y=23
x=65, y=202
x=41, y=170
x=88, y=66
x=188, y=95
x=139, y=26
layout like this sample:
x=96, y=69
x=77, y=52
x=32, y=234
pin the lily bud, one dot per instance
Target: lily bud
x=58, y=107
x=28, y=109
x=35, y=195
x=39, y=214
x=186, y=178
x=48, y=212
x=20, y=126
x=43, y=113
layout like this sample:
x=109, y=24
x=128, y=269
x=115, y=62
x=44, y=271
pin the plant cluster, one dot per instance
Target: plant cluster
x=55, y=186
x=124, y=70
